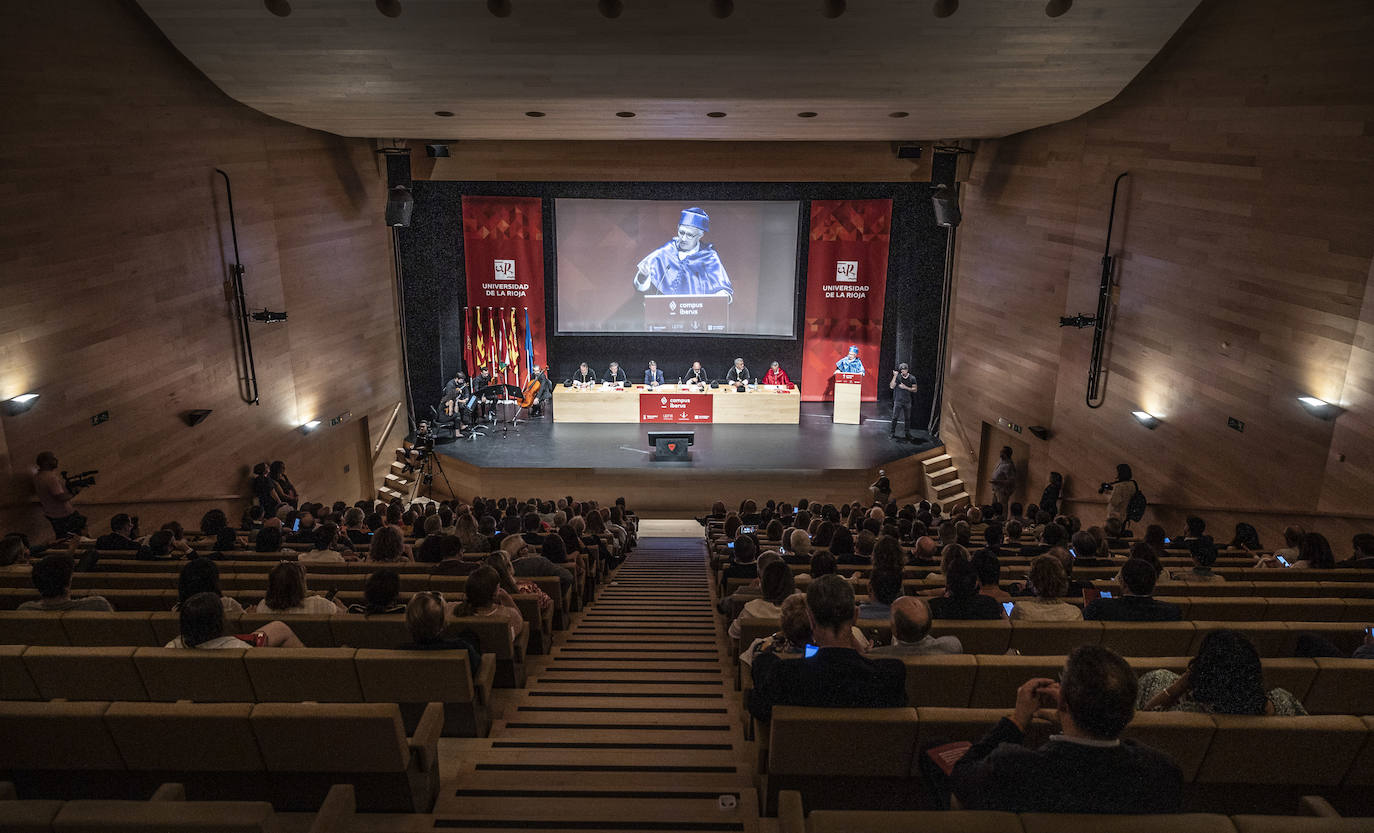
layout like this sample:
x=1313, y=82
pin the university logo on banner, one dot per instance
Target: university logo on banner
x=847, y=271
x=505, y=270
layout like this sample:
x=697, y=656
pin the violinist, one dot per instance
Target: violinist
x=540, y=389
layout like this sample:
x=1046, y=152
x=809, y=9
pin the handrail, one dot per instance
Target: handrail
x=963, y=435
x=250, y=392
x=386, y=432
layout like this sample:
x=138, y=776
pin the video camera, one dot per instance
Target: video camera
x=424, y=438
x=76, y=482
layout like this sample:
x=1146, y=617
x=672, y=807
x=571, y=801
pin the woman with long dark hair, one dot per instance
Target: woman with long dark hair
x=1224, y=678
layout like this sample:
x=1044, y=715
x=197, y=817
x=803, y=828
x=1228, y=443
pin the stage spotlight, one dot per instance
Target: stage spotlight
x=610, y=9
x=307, y=427
x=266, y=316
x=437, y=150
x=399, y=205
x=196, y=417
x=1146, y=419
x=1320, y=407
x=20, y=403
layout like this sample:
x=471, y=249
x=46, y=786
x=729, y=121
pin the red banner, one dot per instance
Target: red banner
x=675, y=407
x=503, y=252
x=846, y=282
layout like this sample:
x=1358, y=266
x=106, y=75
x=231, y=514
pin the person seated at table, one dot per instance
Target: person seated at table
x=850, y=363
x=584, y=376
x=739, y=374
x=776, y=375
x=696, y=375
x=653, y=376
x=614, y=375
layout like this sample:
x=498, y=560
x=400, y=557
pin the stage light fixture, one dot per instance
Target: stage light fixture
x=19, y=404
x=266, y=316
x=1320, y=407
x=399, y=205
x=307, y=427
x=437, y=150
x=1146, y=419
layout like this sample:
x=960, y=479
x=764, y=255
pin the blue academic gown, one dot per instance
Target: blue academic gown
x=848, y=365
x=700, y=273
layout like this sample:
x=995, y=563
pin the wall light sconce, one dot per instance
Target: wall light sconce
x=20, y=403
x=1146, y=419
x=307, y=427
x=1320, y=407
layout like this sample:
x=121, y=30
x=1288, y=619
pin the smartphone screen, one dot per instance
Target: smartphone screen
x=1369, y=632
x=1106, y=594
x=730, y=545
x=1283, y=561
x=296, y=527
x=795, y=510
x=1007, y=606
x=745, y=530
x=1072, y=553
x=1168, y=541
x=810, y=651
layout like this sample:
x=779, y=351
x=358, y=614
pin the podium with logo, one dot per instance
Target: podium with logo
x=848, y=392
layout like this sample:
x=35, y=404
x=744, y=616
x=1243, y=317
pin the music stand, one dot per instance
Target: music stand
x=502, y=395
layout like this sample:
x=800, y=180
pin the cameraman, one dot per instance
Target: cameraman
x=1122, y=489
x=413, y=453
x=55, y=497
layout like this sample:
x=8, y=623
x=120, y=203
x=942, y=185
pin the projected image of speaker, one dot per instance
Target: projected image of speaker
x=671, y=445
x=399, y=205
x=946, y=203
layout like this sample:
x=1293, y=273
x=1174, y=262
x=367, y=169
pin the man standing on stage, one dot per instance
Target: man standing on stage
x=697, y=375
x=850, y=363
x=681, y=266
x=903, y=385
x=653, y=376
x=739, y=374
x=545, y=391
x=614, y=375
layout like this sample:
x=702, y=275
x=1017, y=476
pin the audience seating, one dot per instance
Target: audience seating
x=167, y=810
x=1320, y=817
x=286, y=753
x=834, y=756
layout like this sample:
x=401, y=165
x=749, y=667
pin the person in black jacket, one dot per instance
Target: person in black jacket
x=1087, y=767
x=1136, y=604
x=614, y=374
x=838, y=675
x=1049, y=499
x=123, y=534
x=584, y=375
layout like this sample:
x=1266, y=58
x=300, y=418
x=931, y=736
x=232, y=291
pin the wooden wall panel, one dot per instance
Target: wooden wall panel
x=114, y=241
x=1244, y=280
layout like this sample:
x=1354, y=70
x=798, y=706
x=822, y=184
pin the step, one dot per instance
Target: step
x=949, y=487
x=942, y=476
x=938, y=461
x=956, y=501
x=395, y=481
x=388, y=494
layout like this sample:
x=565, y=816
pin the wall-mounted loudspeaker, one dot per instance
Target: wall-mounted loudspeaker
x=1040, y=431
x=196, y=417
x=399, y=205
x=946, y=203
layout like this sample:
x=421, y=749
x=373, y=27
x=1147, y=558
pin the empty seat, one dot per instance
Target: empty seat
x=381, y=631
x=32, y=627
x=1217, y=609
x=940, y=679
x=1185, y=736
x=205, y=676
x=1361, y=772
x=1148, y=639
x=414, y=679
x=1341, y=686
x=977, y=636
x=1293, y=674
x=293, y=675
x=851, y=758
x=82, y=673
x=15, y=682
x=45, y=742
x=84, y=627
x=1053, y=638
x=1315, y=751
x=999, y=676
x=1299, y=609
x=1084, y=823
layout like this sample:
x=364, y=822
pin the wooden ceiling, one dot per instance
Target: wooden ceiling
x=992, y=68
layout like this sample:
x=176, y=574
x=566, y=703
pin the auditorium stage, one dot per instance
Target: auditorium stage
x=815, y=459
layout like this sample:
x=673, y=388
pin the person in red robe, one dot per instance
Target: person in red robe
x=776, y=376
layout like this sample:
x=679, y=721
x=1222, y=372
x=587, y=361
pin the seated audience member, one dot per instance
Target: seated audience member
x=838, y=675
x=52, y=577
x=163, y=545
x=926, y=551
x=1246, y=538
x=322, y=549
x=822, y=564
x=14, y=552
x=467, y=529
x=527, y=563
x=1204, y=554
x=742, y=561
x=226, y=541
x=381, y=594
x=201, y=575
x=426, y=616
x=1361, y=547
x=287, y=593
x=1049, y=583
x=1136, y=604
x=486, y=597
x=123, y=535
x=1194, y=530
x=1087, y=767
x=776, y=585
x=961, y=599
x=353, y=528
x=798, y=547
x=268, y=540
x=989, y=569
x=1224, y=678
x=1150, y=555
x=911, y=632
x=388, y=546
x=1313, y=645
x=842, y=547
x=793, y=635
x=884, y=588
x=1292, y=538
x=202, y=627
x=1314, y=553
x=1086, y=549
x=500, y=562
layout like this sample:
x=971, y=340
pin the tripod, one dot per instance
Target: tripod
x=428, y=465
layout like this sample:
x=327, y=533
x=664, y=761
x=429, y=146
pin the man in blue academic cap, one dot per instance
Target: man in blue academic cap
x=682, y=266
x=850, y=363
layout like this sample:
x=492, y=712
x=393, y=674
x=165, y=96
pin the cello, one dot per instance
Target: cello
x=529, y=393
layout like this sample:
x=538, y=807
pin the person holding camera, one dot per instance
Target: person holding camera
x=1122, y=490
x=55, y=496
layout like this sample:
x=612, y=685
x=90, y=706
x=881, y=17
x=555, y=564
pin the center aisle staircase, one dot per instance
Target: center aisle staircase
x=630, y=724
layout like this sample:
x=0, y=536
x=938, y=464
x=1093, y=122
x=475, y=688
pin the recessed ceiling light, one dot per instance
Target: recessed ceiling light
x=722, y=8
x=806, y=114
x=834, y=8
x=534, y=114
x=625, y=114
x=390, y=8
x=610, y=9
x=280, y=8
x=899, y=114
x=1146, y=419
x=499, y=8
x=945, y=8
x=715, y=114
x=444, y=114
x=1055, y=8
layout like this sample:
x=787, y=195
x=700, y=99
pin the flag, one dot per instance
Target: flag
x=529, y=346
x=467, y=340
x=500, y=340
x=513, y=345
x=481, y=354
x=491, y=342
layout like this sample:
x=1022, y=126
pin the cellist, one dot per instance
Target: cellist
x=538, y=391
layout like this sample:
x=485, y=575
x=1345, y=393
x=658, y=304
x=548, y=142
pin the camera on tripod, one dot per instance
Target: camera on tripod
x=76, y=482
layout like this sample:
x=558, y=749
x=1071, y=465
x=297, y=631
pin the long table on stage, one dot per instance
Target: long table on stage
x=675, y=405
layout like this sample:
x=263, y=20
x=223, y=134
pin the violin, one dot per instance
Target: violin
x=528, y=394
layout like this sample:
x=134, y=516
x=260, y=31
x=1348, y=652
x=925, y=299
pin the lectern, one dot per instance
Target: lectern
x=847, y=395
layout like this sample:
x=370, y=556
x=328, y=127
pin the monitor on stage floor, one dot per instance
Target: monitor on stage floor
x=677, y=267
